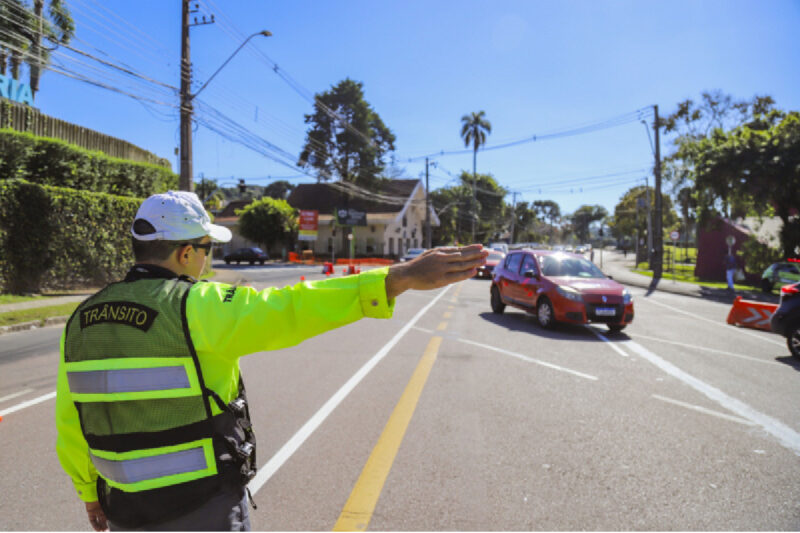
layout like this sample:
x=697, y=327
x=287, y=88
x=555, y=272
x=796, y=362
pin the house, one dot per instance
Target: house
x=395, y=218
x=227, y=217
x=712, y=245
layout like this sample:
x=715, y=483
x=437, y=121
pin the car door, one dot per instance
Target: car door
x=528, y=281
x=509, y=277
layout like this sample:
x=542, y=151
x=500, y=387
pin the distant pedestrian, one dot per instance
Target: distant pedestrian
x=730, y=269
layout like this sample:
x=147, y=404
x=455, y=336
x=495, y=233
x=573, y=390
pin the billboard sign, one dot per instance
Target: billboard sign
x=15, y=91
x=308, y=225
x=351, y=217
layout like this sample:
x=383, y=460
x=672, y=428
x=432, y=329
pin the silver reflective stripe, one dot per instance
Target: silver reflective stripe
x=144, y=468
x=128, y=380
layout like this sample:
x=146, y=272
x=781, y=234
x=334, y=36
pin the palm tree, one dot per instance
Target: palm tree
x=15, y=21
x=59, y=28
x=474, y=128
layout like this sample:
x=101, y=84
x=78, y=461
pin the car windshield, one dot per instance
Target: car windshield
x=564, y=265
x=415, y=251
x=495, y=256
x=257, y=250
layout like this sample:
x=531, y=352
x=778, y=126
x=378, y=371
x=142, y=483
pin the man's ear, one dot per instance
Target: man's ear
x=183, y=254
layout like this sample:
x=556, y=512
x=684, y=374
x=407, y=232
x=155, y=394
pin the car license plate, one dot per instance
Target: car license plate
x=605, y=311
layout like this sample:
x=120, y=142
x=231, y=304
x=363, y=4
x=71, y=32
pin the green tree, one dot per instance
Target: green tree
x=756, y=165
x=268, y=221
x=549, y=211
x=583, y=217
x=280, y=189
x=627, y=223
x=57, y=26
x=347, y=139
x=489, y=215
x=474, y=128
x=452, y=206
x=16, y=22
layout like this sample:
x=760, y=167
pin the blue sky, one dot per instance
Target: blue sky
x=534, y=67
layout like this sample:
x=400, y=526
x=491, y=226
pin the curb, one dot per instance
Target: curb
x=23, y=326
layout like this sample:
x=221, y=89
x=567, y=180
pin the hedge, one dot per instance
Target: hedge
x=54, y=162
x=58, y=238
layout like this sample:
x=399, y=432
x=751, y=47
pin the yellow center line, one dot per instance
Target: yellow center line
x=447, y=314
x=442, y=326
x=358, y=510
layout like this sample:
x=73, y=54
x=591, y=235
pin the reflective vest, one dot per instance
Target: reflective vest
x=162, y=443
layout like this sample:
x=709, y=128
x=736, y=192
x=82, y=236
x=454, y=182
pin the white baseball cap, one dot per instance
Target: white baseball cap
x=177, y=216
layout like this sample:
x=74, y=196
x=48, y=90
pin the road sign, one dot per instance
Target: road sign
x=674, y=235
x=731, y=240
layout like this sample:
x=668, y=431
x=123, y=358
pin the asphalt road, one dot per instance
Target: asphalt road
x=449, y=417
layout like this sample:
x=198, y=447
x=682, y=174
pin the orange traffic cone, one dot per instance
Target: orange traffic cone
x=751, y=314
x=302, y=278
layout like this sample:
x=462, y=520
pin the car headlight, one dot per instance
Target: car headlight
x=626, y=297
x=569, y=293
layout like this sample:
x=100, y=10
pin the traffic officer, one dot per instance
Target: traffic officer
x=152, y=416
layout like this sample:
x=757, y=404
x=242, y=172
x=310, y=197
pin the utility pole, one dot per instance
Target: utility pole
x=649, y=223
x=187, y=109
x=427, y=208
x=513, y=215
x=658, y=252
x=185, y=180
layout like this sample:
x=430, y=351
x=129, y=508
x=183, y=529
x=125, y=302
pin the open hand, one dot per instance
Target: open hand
x=435, y=268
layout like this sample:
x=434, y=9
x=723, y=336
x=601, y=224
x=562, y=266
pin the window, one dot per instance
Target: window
x=391, y=245
x=513, y=261
x=405, y=223
x=528, y=264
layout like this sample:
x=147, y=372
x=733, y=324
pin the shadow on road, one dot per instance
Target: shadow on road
x=525, y=322
x=789, y=360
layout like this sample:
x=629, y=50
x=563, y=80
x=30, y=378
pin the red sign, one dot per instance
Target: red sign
x=308, y=225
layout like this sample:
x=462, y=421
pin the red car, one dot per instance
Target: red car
x=560, y=287
x=494, y=258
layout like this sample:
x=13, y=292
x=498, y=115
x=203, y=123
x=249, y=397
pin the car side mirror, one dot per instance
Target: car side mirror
x=531, y=274
x=609, y=276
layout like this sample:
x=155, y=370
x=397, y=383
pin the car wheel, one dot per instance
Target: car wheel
x=261, y=262
x=545, y=314
x=252, y=262
x=615, y=328
x=766, y=285
x=497, y=302
x=227, y=261
x=793, y=339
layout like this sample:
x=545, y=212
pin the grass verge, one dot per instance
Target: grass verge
x=691, y=279
x=10, y=318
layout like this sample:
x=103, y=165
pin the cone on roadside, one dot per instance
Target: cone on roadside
x=302, y=278
x=750, y=314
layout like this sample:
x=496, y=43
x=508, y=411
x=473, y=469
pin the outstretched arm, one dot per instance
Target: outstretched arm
x=435, y=268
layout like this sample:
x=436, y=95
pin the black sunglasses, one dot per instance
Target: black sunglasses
x=207, y=246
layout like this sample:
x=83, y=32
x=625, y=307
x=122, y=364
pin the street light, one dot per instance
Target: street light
x=185, y=180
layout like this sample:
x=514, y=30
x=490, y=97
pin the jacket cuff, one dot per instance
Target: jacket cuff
x=86, y=491
x=372, y=293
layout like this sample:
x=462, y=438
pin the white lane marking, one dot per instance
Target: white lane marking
x=788, y=437
x=528, y=359
x=729, y=327
x=723, y=352
x=611, y=344
x=14, y=395
x=512, y=354
x=29, y=403
x=704, y=410
x=297, y=440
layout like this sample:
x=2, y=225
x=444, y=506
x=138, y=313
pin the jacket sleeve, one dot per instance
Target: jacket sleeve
x=234, y=321
x=71, y=446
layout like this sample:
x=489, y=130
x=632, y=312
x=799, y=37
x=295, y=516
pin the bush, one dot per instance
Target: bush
x=54, y=162
x=757, y=255
x=58, y=238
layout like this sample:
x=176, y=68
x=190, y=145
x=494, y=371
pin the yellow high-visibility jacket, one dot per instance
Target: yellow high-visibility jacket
x=226, y=322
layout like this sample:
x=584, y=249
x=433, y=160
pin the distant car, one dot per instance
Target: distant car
x=780, y=273
x=560, y=287
x=247, y=255
x=499, y=246
x=786, y=318
x=411, y=253
x=492, y=260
